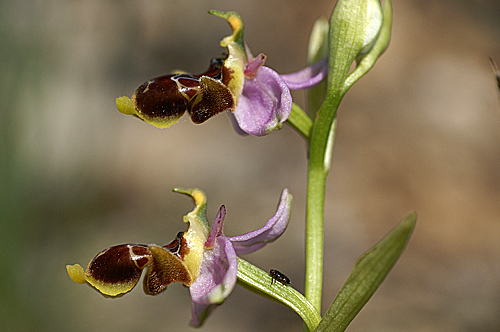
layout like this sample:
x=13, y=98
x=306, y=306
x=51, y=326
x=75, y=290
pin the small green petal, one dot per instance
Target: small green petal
x=237, y=58
x=198, y=230
x=234, y=19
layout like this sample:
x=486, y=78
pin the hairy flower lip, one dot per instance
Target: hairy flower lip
x=162, y=100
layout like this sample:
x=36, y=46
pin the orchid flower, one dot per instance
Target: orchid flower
x=203, y=259
x=258, y=96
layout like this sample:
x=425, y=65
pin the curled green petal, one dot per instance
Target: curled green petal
x=198, y=230
x=237, y=58
x=199, y=212
x=236, y=22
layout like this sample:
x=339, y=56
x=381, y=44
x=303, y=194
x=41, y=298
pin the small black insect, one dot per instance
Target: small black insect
x=277, y=275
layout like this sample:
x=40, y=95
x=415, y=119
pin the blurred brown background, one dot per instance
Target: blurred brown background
x=420, y=132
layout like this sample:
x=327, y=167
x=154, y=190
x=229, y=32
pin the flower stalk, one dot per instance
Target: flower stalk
x=354, y=32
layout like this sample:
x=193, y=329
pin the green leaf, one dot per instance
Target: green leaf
x=368, y=273
x=259, y=282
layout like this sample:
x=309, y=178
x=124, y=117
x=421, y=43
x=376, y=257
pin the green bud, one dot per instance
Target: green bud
x=374, y=20
x=366, y=60
x=354, y=28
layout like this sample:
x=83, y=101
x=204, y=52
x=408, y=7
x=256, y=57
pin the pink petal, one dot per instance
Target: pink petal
x=254, y=65
x=216, y=227
x=307, y=77
x=200, y=312
x=273, y=229
x=218, y=274
x=265, y=103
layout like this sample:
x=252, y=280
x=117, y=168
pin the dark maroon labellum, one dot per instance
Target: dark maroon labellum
x=169, y=96
x=117, y=270
x=119, y=264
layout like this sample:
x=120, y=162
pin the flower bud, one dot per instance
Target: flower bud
x=354, y=27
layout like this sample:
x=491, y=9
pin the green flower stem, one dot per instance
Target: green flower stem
x=259, y=282
x=320, y=148
x=343, y=53
x=353, y=28
x=300, y=121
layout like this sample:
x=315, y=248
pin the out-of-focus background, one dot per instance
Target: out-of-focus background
x=420, y=132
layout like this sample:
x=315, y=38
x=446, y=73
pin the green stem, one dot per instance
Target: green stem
x=314, y=236
x=350, y=31
x=261, y=283
x=347, y=37
x=320, y=152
